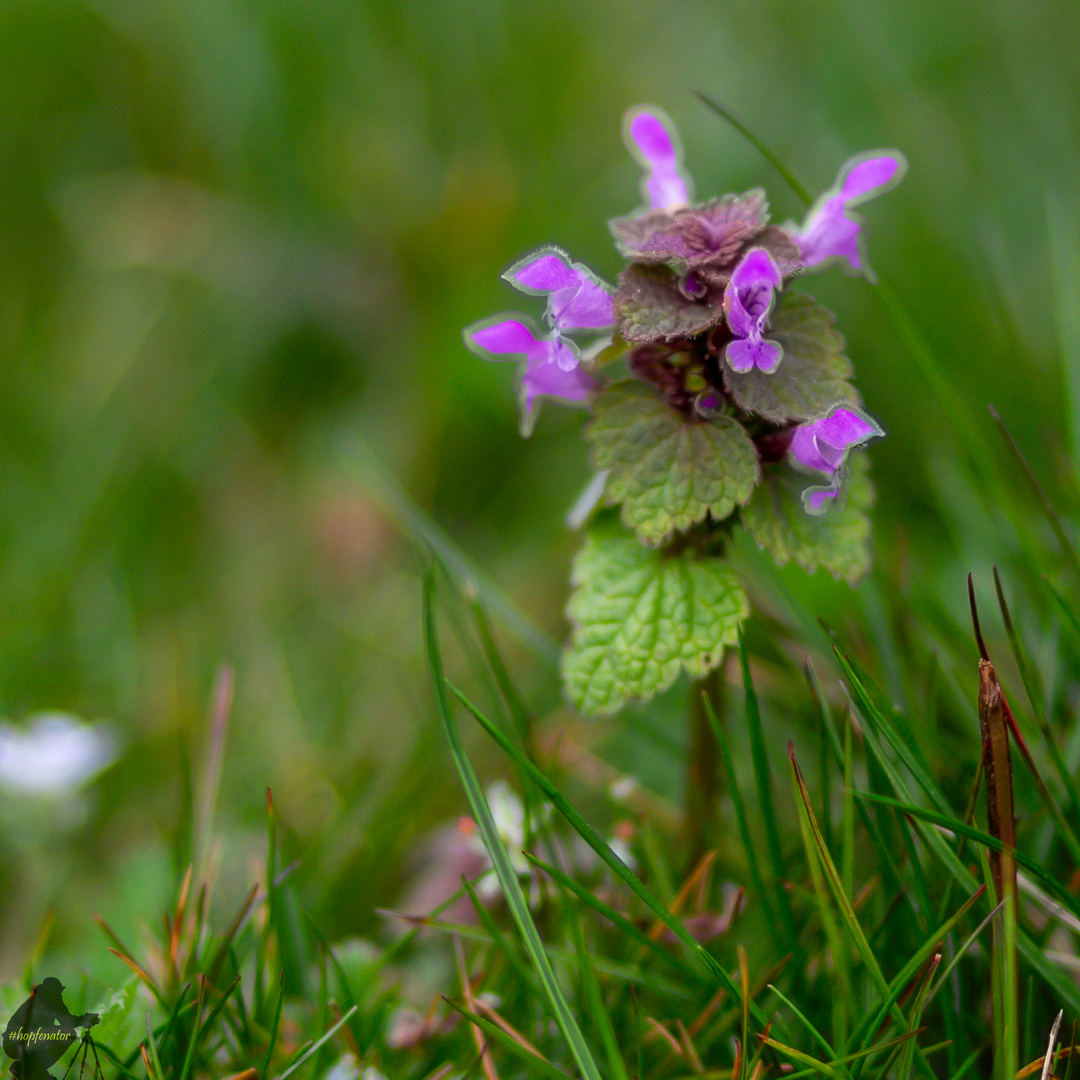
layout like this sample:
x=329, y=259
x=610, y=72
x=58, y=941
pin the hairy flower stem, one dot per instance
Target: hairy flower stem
x=702, y=764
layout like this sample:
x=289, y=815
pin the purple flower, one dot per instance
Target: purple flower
x=830, y=231
x=577, y=299
x=823, y=445
x=748, y=299
x=552, y=364
x=651, y=138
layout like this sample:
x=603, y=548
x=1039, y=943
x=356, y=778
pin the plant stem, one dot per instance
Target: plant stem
x=702, y=763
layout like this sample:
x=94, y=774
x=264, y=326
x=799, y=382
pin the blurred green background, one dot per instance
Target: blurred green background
x=238, y=242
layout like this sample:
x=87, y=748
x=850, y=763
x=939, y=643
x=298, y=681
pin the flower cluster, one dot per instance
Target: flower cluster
x=734, y=407
x=695, y=305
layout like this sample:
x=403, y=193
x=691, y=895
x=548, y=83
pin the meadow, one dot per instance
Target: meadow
x=270, y=528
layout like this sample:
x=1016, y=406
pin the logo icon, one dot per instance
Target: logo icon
x=41, y=1031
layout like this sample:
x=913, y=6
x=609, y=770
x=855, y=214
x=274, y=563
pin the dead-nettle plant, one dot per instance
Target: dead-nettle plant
x=738, y=410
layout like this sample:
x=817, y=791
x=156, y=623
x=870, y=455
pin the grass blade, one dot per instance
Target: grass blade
x=315, y=1046
x=498, y=937
x=600, y=846
x=1027, y=676
x=991, y=843
x=154, y=1059
x=749, y=847
x=515, y=899
x=625, y=925
x=766, y=799
x=1051, y=514
x=1061, y=984
x=851, y=922
x=916, y=1016
x=540, y=1065
x=196, y=1032
x=403, y=511
x=837, y=945
x=817, y=1036
x=595, y=1002
x=868, y=1028
x=762, y=149
x=804, y=1059
x=264, y=1072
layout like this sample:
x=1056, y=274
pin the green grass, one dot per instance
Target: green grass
x=238, y=420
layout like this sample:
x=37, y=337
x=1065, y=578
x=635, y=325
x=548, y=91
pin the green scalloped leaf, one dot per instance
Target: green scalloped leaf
x=667, y=469
x=640, y=616
x=813, y=375
x=649, y=306
x=838, y=540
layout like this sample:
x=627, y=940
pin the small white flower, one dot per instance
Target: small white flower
x=508, y=814
x=54, y=754
x=622, y=849
x=345, y=1068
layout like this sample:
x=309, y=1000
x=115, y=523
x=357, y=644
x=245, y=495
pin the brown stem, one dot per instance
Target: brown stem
x=702, y=776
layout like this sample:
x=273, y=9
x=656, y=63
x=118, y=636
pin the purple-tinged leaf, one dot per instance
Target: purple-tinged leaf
x=706, y=238
x=650, y=306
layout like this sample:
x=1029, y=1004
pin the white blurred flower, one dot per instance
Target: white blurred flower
x=508, y=813
x=456, y=851
x=54, y=754
x=345, y=1068
x=622, y=849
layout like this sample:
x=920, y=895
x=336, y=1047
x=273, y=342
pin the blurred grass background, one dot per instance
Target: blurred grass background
x=238, y=241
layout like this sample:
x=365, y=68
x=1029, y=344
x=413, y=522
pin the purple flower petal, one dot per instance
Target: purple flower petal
x=756, y=268
x=652, y=140
x=823, y=444
x=546, y=379
x=817, y=500
x=830, y=234
x=804, y=450
x=749, y=294
x=503, y=340
x=509, y=339
x=746, y=353
x=544, y=273
x=577, y=300
x=864, y=178
x=845, y=427
x=830, y=230
x=748, y=299
x=552, y=366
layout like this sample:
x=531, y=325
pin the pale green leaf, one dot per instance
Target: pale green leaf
x=666, y=469
x=640, y=617
x=813, y=375
x=837, y=540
